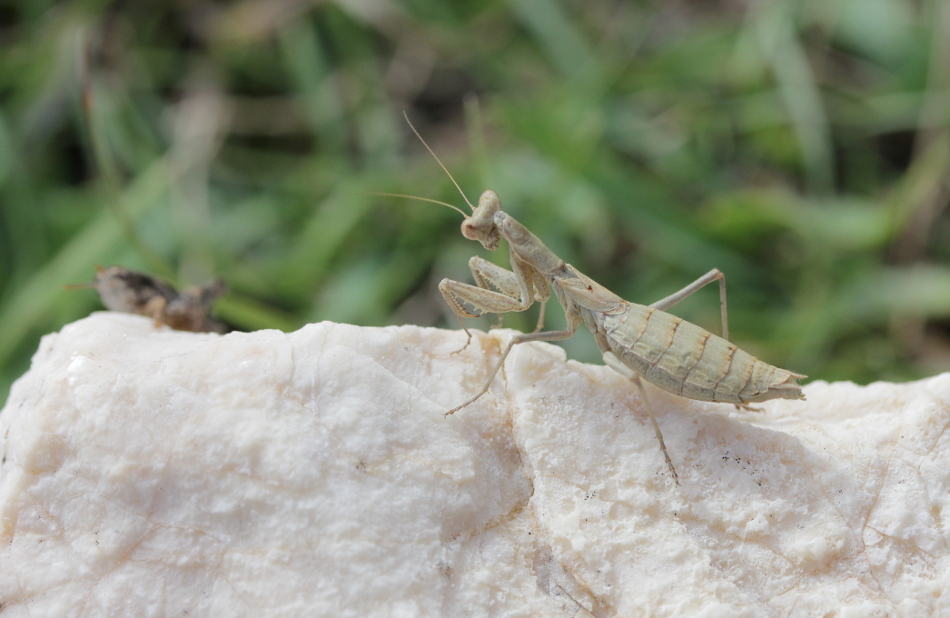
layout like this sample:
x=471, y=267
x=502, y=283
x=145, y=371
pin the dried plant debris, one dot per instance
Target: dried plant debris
x=129, y=291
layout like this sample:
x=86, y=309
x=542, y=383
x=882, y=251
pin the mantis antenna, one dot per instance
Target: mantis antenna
x=421, y=199
x=406, y=116
x=79, y=286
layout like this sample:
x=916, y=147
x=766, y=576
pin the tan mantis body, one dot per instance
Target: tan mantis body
x=635, y=340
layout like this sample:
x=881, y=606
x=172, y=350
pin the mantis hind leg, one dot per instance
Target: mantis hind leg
x=614, y=363
x=714, y=275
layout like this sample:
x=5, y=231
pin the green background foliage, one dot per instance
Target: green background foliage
x=801, y=147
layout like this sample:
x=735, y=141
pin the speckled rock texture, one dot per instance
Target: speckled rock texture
x=150, y=472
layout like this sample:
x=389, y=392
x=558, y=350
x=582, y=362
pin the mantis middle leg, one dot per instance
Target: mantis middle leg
x=551, y=335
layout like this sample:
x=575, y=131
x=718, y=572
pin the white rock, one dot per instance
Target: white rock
x=149, y=472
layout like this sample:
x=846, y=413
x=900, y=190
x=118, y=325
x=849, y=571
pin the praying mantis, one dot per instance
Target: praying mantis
x=641, y=342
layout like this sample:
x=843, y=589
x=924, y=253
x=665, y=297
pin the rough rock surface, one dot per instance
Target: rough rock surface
x=150, y=472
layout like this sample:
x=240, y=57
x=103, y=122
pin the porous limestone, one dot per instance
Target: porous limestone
x=151, y=472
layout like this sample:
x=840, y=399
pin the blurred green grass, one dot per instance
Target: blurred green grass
x=801, y=147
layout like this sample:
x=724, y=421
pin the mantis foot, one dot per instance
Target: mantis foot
x=467, y=341
x=747, y=408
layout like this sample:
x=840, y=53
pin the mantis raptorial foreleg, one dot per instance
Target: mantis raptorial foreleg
x=488, y=301
x=715, y=274
x=491, y=276
x=458, y=294
x=611, y=360
x=488, y=275
x=517, y=291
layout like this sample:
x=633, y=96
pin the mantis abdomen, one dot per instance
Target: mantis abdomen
x=687, y=360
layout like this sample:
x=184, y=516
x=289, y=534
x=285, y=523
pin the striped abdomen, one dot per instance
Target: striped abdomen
x=686, y=360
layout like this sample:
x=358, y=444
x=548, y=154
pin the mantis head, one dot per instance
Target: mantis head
x=481, y=225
